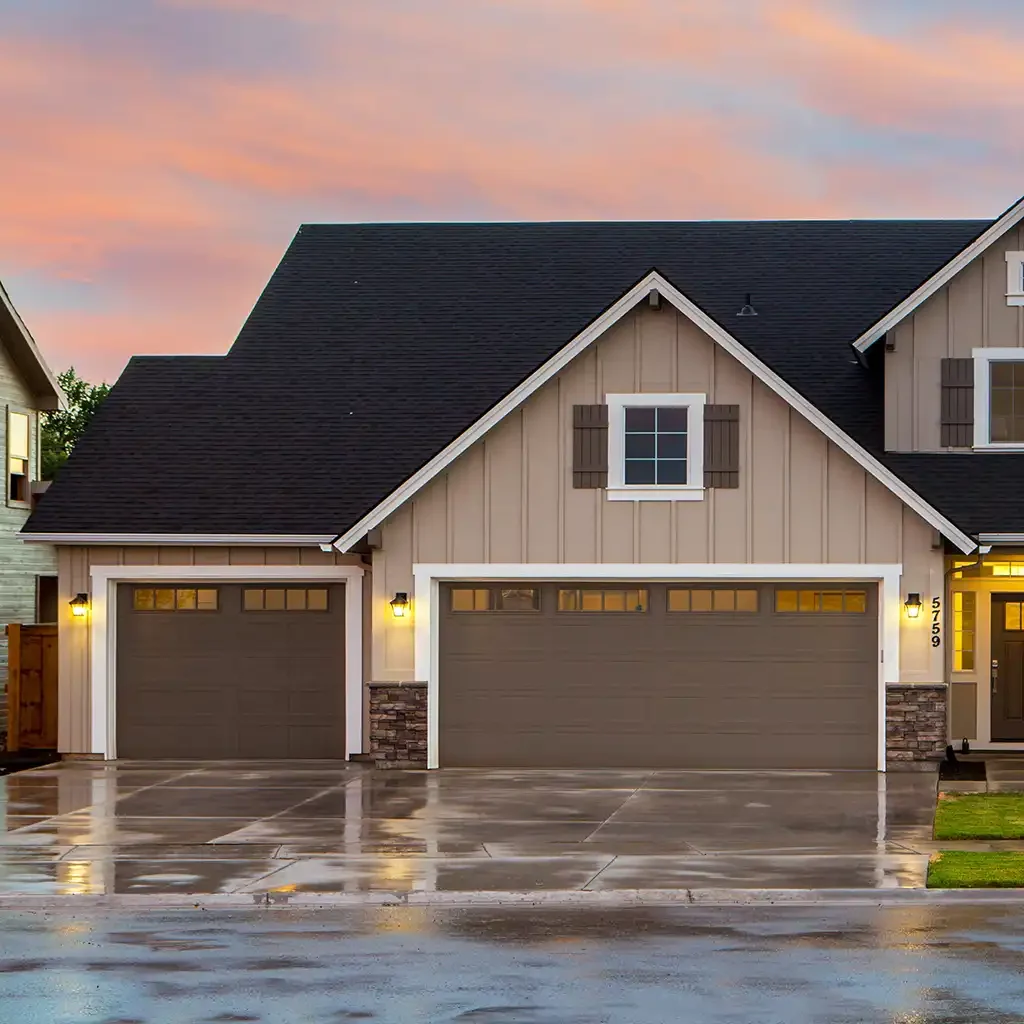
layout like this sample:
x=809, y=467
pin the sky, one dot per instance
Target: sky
x=156, y=156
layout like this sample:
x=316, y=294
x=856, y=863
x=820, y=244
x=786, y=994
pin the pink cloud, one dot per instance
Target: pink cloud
x=174, y=193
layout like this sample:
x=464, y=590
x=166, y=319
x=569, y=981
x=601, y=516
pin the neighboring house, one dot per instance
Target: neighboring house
x=28, y=572
x=724, y=495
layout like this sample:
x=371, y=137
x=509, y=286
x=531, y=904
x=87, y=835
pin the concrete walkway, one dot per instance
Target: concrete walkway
x=318, y=827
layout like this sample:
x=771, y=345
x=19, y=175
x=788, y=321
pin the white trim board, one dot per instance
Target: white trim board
x=618, y=489
x=1013, y=216
x=170, y=539
x=653, y=282
x=983, y=357
x=426, y=578
x=102, y=626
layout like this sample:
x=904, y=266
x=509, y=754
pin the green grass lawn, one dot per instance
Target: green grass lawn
x=956, y=869
x=980, y=816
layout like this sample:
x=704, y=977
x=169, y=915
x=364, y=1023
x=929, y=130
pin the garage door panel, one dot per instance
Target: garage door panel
x=232, y=682
x=658, y=688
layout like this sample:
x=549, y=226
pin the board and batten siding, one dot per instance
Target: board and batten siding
x=510, y=498
x=969, y=312
x=20, y=563
x=75, y=562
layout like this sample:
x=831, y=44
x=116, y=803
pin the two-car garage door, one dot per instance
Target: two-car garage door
x=222, y=670
x=775, y=675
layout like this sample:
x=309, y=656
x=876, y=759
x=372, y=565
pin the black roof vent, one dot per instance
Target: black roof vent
x=748, y=309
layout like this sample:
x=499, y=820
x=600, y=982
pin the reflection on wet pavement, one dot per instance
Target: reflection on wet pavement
x=191, y=827
x=725, y=965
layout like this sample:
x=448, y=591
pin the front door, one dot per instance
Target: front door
x=1007, y=678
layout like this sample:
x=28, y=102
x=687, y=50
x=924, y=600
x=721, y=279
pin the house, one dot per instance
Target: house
x=720, y=495
x=28, y=572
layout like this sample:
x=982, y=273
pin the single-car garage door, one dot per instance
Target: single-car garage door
x=658, y=675
x=222, y=670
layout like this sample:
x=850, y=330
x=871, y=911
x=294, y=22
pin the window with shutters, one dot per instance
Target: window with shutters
x=656, y=447
x=998, y=398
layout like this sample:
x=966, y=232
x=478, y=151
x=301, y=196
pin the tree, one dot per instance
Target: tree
x=63, y=428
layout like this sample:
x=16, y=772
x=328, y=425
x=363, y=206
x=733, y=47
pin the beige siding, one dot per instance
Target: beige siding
x=74, y=647
x=968, y=313
x=510, y=498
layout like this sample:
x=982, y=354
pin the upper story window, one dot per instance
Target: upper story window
x=656, y=447
x=1015, y=278
x=999, y=398
x=18, y=457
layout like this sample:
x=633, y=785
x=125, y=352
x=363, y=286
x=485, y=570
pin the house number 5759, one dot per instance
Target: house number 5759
x=936, y=622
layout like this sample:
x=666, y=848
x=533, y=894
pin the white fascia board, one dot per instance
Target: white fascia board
x=1010, y=219
x=168, y=539
x=655, y=282
x=1001, y=538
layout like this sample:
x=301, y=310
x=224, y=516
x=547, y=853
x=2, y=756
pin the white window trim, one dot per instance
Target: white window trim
x=1015, y=278
x=426, y=593
x=983, y=397
x=618, y=489
x=102, y=626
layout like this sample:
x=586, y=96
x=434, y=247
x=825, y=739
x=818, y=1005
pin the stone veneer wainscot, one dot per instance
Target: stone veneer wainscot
x=398, y=724
x=915, y=725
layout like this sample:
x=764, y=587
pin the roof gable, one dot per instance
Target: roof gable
x=652, y=282
x=1009, y=220
x=26, y=355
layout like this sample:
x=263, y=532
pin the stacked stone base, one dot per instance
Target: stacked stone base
x=915, y=726
x=398, y=725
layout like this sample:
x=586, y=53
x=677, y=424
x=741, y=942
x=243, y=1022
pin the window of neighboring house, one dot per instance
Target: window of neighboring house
x=46, y=599
x=999, y=398
x=656, y=447
x=964, y=607
x=17, y=457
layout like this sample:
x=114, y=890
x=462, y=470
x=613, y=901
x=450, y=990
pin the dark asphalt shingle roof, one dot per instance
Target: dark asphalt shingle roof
x=374, y=346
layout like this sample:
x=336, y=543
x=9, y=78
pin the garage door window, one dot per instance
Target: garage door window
x=602, y=600
x=174, y=599
x=281, y=599
x=712, y=600
x=495, y=599
x=824, y=601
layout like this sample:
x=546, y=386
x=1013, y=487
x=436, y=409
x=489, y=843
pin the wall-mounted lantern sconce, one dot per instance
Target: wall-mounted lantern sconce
x=400, y=605
x=913, y=605
x=79, y=605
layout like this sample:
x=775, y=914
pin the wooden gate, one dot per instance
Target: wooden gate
x=31, y=687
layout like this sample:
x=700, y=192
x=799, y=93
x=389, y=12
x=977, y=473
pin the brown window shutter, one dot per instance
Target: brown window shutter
x=721, y=446
x=590, y=446
x=957, y=430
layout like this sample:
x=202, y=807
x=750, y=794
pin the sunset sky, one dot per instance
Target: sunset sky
x=157, y=155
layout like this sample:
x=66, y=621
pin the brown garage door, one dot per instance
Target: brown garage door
x=656, y=675
x=224, y=670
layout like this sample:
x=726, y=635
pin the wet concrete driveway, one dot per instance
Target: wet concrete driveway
x=164, y=828
x=721, y=965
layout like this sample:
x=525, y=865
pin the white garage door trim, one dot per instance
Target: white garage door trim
x=426, y=578
x=102, y=625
